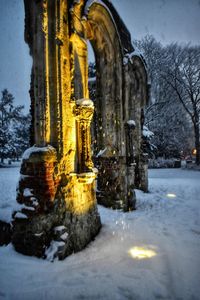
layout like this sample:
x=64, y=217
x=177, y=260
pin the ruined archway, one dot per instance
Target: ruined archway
x=57, y=184
x=121, y=95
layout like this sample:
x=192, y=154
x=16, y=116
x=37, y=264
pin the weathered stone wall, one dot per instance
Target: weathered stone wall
x=120, y=97
x=56, y=187
x=47, y=200
x=136, y=98
x=57, y=204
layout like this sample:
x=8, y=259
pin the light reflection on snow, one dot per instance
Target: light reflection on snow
x=141, y=252
x=170, y=195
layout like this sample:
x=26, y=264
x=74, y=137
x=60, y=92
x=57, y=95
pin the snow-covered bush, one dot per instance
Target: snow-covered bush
x=14, y=128
x=161, y=162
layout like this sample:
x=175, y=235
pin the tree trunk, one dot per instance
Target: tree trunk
x=197, y=142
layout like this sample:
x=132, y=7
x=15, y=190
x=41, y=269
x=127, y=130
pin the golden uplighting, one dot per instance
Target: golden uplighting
x=170, y=195
x=141, y=252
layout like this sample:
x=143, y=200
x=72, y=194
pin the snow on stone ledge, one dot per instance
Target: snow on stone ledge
x=59, y=228
x=53, y=250
x=64, y=236
x=20, y=215
x=128, y=56
x=27, y=192
x=85, y=102
x=147, y=133
x=131, y=123
x=125, y=60
x=89, y=4
x=18, y=207
x=101, y=152
x=35, y=149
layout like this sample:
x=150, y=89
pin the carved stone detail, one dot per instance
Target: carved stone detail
x=84, y=112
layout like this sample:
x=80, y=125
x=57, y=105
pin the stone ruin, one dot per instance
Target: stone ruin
x=60, y=179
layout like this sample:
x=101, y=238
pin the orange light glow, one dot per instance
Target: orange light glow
x=194, y=151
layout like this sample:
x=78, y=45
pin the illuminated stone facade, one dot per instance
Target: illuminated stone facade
x=56, y=190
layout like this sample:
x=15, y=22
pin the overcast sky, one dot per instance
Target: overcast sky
x=167, y=20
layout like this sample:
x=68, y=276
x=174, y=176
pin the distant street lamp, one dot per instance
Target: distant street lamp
x=194, y=151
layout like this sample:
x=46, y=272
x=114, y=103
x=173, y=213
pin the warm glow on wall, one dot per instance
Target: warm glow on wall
x=79, y=194
x=141, y=252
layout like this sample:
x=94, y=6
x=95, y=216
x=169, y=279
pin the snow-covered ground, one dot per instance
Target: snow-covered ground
x=151, y=253
x=8, y=181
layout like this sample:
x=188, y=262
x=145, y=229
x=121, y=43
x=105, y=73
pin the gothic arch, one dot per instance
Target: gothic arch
x=121, y=95
x=104, y=38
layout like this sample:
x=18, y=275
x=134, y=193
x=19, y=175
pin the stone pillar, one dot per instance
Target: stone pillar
x=130, y=164
x=129, y=132
x=84, y=112
x=57, y=212
x=143, y=172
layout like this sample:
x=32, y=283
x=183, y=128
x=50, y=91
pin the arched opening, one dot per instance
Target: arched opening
x=119, y=87
x=107, y=130
x=103, y=37
x=92, y=96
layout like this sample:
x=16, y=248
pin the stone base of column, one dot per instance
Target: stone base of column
x=56, y=234
x=114, y=188
x=141, y=181
x=55, y=217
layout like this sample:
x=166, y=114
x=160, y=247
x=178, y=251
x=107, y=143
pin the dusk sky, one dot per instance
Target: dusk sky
x=167, y=20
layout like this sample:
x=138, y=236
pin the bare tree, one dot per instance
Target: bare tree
x=181, y=71
x=165, y=116
x=152, y=53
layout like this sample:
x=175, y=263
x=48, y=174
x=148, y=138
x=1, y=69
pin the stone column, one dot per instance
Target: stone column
x=130, y=164
x=129, y=132
x=84, y=112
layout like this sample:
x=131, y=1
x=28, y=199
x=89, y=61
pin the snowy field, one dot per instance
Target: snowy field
x=152, y=253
